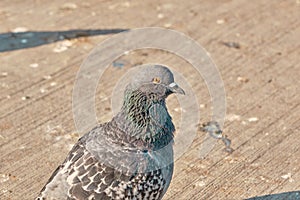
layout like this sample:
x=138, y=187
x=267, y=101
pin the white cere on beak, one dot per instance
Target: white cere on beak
x=175, y=88
x=172, y=85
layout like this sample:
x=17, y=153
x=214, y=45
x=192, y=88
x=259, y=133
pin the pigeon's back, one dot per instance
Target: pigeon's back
x=104, y=165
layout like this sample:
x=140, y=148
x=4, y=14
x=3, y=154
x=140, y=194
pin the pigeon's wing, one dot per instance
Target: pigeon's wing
x=81, y=176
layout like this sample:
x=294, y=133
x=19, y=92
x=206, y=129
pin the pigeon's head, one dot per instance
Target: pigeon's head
x=155, y=79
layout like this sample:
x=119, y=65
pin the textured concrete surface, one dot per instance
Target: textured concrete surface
x=254, y=44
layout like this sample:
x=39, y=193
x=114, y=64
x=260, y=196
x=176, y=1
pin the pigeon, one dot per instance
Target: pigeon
x=129, y=157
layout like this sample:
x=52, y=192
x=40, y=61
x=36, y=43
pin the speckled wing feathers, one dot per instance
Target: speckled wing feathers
x=83, y=176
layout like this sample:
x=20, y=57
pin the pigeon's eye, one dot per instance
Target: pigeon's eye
x=156, y=80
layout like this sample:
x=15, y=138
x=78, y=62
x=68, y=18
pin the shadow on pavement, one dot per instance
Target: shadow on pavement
x=21, y=40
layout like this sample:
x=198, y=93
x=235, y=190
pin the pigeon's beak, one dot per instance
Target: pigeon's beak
x=176, y=89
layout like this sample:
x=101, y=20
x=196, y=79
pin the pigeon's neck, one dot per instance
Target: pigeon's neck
x=137, y=121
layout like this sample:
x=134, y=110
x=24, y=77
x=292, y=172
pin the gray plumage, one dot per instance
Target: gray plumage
x=130, y=157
